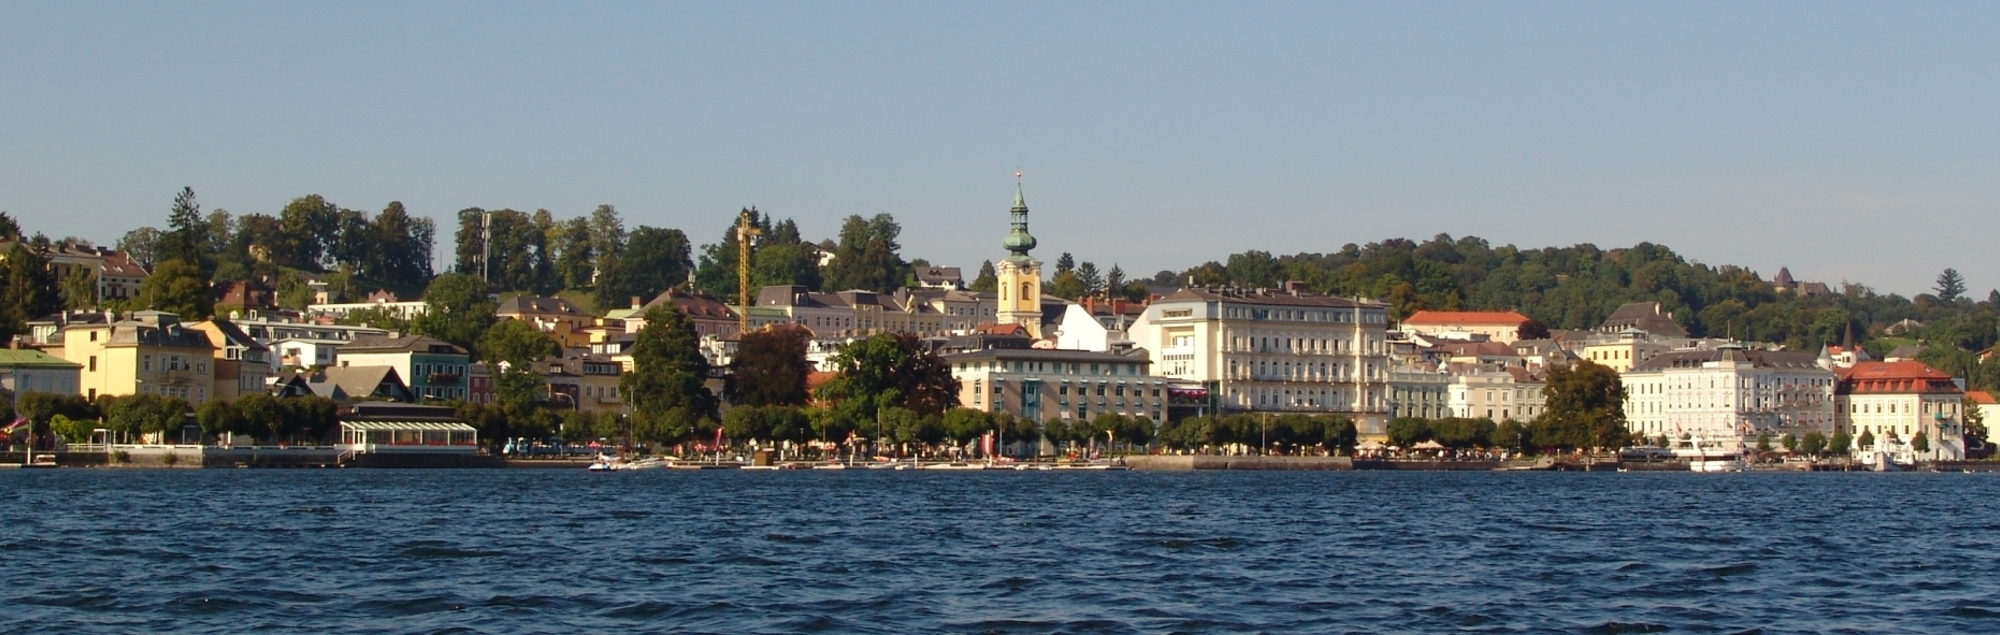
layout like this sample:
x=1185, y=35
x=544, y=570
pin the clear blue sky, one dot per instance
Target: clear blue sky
x=1848, y=141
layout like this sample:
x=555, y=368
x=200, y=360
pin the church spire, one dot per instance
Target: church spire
x=1019, y=241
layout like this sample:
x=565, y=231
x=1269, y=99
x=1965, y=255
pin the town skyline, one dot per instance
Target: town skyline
x=1769, y=137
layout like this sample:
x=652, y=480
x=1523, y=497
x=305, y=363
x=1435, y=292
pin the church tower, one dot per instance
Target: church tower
x=1020, y=274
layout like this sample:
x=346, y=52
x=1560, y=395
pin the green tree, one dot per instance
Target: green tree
x=401, y=250
x=988, y=280
x=1975, y=423
x=72, y=430
x=653, y=261
x=1585, y=408
x=1867, y=439
x=1841, y=443
x=1408, y=431
x=607, y=238
x=142, y=245
x=307, y=226
x=148, y=414
x=219, y=419
x=890, y=370
x=178, y=287
x=1921, y=442
x=30, y=289
x=867, y=257
x=963, y=425
x=744, y=424
x=262, y=415
x=457, y=310
x=511, y=348
x=1341, y=435
x=1791, y=443
x=186, y=238
x=1066, y=285
x=1764, y=442
x=666, y=385
x=79, y=289
x=1090, y=279
x=1812, y=444
x=770, y=367
x=576, y=260
x=1950, y=285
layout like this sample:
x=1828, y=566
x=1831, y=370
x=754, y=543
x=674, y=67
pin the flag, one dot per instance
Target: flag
x=14, y=425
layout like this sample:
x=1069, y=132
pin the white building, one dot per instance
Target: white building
x=1045, y=384
x=1274, y=351
x=1419, y=393
x=1499, y=395
x=27, y=370
x=1896, y=401
x=1730, y=392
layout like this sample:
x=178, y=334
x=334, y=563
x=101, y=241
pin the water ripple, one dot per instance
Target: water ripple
x=354, y=551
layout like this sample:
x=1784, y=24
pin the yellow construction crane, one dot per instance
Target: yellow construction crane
x=744, y=230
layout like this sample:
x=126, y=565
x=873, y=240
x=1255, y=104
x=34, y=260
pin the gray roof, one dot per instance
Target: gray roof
x=404, y=344
x=1266, y=297
x=1758, y=358
x=1046, y=355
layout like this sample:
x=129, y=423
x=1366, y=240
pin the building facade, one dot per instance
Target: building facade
x=1496, y=326
x=1730, y=392
x=435, y=369
x=1274, y=351
x=1046, y=384
x=242, y=364
x=27, y=370
x=1498, y=395
x=150, y=354
x=1893, y=402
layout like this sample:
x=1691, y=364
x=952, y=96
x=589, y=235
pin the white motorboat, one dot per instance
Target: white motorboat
x=1711, y=456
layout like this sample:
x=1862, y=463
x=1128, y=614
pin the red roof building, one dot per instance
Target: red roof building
x=1893, y=403
x=1498, y=326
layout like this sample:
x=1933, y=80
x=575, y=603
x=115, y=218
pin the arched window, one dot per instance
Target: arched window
x=1026, y=294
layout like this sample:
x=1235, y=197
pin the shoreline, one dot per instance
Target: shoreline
x=190, y=457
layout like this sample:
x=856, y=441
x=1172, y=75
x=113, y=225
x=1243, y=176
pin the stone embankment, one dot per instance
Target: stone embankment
x=1171, y=463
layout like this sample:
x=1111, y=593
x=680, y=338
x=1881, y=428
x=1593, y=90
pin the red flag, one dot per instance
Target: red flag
x=14, y=425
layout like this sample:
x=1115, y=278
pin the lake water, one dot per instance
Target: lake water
x=529, y=551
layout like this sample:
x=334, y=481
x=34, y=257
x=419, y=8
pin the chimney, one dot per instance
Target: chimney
x=635, y=302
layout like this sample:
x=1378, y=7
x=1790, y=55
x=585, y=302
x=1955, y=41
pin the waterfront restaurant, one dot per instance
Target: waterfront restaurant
x=380, y=427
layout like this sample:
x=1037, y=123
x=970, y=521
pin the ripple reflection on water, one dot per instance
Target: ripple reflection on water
x=865, y=551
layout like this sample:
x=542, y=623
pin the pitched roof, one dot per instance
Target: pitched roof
x=1757, y=358
x=1645, y=316
x=1480, y=349
x=698, y=305
x=1045, y=354
x=1907, y=376
x=533, y=305
x=1981, y=397
x=404, y=344
x=1264, y=297
x=1509, y=318
x=232, y=335
x=359, y=381
x=31, y=358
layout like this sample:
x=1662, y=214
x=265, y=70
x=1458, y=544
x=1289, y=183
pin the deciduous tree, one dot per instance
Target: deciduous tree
x=770, y=367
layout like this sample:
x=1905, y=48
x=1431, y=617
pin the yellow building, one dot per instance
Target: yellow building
x=1630, y=350
x=150, y=354
x=1020, y=275
x=241, y=363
